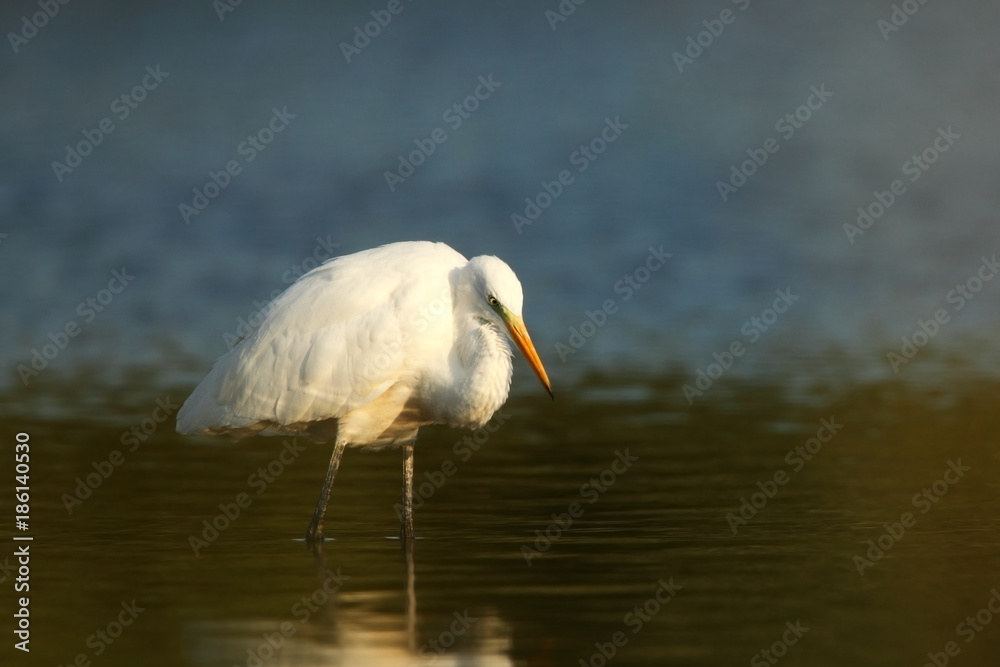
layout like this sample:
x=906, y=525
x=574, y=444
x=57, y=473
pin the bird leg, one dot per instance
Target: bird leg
x=315, y=530
x=406, y=530
x=411, y=597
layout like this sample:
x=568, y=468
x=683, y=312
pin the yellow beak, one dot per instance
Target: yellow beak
x=523, y=341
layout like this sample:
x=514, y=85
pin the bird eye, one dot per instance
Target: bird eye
x=492, y=300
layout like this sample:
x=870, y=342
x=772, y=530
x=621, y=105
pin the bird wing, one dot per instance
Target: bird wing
x=336, y=340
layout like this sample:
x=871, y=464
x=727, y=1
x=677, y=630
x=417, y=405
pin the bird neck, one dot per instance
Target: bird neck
x=485, y=358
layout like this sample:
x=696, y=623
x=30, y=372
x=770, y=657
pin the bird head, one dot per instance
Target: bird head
x=498, y=296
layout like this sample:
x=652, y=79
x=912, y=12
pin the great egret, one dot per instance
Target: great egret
x=367, y=348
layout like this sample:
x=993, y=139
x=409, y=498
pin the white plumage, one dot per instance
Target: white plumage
x=368, y=347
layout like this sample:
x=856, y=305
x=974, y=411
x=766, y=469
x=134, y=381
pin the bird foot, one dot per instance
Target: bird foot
x=314, y=536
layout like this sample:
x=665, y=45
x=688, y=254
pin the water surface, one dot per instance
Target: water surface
x=497, y=544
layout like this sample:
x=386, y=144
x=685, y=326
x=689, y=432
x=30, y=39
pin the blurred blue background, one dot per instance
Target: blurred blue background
x=323, y=176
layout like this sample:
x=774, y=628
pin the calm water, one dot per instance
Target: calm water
x=657, y=525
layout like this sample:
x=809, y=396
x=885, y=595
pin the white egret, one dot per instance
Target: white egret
x=367, y=348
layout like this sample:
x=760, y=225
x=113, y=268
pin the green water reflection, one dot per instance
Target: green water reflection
x=537, y=548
